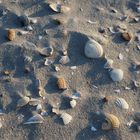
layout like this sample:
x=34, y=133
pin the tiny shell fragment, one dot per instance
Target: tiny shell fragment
x=61, y=83
x=11, y=34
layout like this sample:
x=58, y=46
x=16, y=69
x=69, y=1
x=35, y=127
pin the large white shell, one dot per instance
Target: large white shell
x=73, y=103
x=93, y=49
x=120, y=102
x=116, y=75
x=66, y=118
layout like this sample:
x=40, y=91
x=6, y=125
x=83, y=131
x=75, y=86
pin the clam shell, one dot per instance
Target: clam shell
x=93, y=49
x=108, y=64
x=66, y=118
x=112, y=122
x=23, y=101
x=127, y=36
x=48, y=51
x=120, y=102
x=64, y=60
x=11, y=34
x=61, y=83
x=116, y=75
x=35, y=119
x=73, y=103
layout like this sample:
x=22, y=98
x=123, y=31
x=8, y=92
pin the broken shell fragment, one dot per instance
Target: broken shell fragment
x=76, y=95
x=116, y=75
x=93, y=49
x=23, y=101
x=108, y=64
x=64, y=60
x=35, y=119
x=112, y=122
x=127, y=36
x=66, y=118
x=48, y=62
x=120, y=102
x=61, y=83
x=48, y=51
x=11, y=34
x=73, y=103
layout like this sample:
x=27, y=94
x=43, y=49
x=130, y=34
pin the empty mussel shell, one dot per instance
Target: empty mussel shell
x=23, y=101
x=66, y=118
x=48, y=51
x=120, y=102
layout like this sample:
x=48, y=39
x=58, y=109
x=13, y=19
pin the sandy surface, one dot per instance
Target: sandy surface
x=89, y=72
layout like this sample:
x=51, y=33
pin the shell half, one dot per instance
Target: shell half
x=120, y=102
x=66, y=118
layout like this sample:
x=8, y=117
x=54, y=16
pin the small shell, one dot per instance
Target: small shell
x=93, y=49
x=76, y=95
x=120, y=56
x=116, y=75
x=64, y=60
x=23, y=101
x=73, y=103
x=120, y=102
x=29, y=28
x=108, y=64
x=21, y=32
x=39, y=107
x=34, y=102
x=11, y=34
x=66, y=118
x=28, y=59
x=32, y=20
x=127, y=36
x=7, y=72
x=48, y=62
x=48, y=51
x=35, y=119
x=61, y=83
x=112, y=122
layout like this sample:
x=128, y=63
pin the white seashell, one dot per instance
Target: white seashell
x=39, y=107
x=28, y=59
x=48, y=62
x=93, y=129
x=66, y=118
x=120, y=102
x=73, y=103
x=73, y=67
x=93, y=49
x=56, y=68
x=64, y=60
x=76, y=95
x=35, y=119
x=108, y=64
x=120, y=56
x=116, y=75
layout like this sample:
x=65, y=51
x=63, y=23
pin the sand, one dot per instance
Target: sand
x=83, y=21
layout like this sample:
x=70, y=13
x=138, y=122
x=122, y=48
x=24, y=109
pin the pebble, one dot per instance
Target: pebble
x=73, y=67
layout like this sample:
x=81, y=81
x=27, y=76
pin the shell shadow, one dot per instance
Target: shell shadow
x=132, y=5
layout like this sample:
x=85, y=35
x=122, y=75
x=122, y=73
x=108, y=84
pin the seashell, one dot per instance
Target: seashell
x=56, y=68
x=116, y=75
x=61, y=83
x=35, y=119
x=44, y=113
x=24, y=20
x=76, y=95
x=108, y=64
x=93, y=49
x=34, y=102
x=120, y=56
x=112, y=122
x=64, y=60
x=66, y=118
x=73, y=103
x=29, y=28
x=32, y=20
x=136, y=83
x=39, y=107
x=48, y=51
x=48, y=62
x=127, y=36
x=7, y=72
x=11, y=34
x=56, y=111
x=23, y=101
x=21, y=32
x=120, y=102
x=28, y=59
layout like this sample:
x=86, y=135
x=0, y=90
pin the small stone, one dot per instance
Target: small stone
x=29, y=28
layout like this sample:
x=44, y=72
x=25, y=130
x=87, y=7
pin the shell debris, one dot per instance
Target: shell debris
x=66, y=118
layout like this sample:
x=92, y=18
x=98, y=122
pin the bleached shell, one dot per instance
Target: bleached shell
x=108, y=64
x=23, y=101
x=35, y=119
x=116, y=75
x=64, y=60
x=120, y=102
x=66, y=118
x=73, y=103
x=93, y=49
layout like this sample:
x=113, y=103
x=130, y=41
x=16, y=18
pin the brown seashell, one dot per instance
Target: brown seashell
x=127, y=36
x=11, y=34
x=112, y=122
x=23, y=101
x=61, y=83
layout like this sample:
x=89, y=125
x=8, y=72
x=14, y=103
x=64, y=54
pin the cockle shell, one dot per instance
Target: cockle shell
x=112, y=122
x=66, y=118
x=116, y=74
x=11, y=34
x=64, y=60
x=23, y=101
x=61, y=83
x=73, y=103
x=108, y=64
x=34, y=102
x=93, y=49
x=35, y=119
x=120, y=102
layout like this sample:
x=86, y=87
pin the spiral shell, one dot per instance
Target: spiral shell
x=93, y=49
x=120, y=102
x=61, y=83
x=11, y=34
x=23, y=101
x=112, y=122
x=66, y=118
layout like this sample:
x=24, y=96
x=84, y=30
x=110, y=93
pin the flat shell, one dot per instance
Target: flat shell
x=120, y=102
x=23, y=101
x=66, y=118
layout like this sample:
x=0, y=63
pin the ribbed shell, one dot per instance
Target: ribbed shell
x=66, y=118
x=120, y=102
x=11, y=34
x=61, y=83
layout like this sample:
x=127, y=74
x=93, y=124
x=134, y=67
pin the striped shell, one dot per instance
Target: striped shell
x=61, y=83
x=112, y=122
x=23, y=101
x=93, y=49
x=66, y=118
x=120, y=102
x=11, y=34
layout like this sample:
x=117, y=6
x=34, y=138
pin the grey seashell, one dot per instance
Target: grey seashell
x=120, y=102
x=23, y=101
x=93, y=49
x=73, y=103
x=48, y=51
x=108, y=64
x=35, y=119
x=66, y=118
x=116, y=75
x=64, y=60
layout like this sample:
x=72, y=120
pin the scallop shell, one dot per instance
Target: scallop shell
x=48, y=51
x=64, y=60
x=23, y=101
x=61, y=83
x=66, y=118
x=127, y=36
x=93, y=49
x=116, y=75
x=73, y=103
x=11, y=34
x=35, y=119
x=120, y=102
x=108, y=64
x=112, y=122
